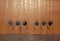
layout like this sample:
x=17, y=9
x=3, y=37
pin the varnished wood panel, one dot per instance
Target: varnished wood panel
x=29, y=11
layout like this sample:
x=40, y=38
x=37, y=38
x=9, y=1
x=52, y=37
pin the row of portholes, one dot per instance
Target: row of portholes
x=25, y=23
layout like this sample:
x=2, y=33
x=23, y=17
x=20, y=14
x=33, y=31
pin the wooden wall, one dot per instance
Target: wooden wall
x=29, y=11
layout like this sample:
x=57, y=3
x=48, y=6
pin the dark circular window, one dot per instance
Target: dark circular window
x=24, y=23
x=50, y=23
x=17, y=23
x=36, y=23
x=43, y=23
x=10, y=23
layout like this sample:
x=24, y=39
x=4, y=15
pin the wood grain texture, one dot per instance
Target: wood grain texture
x=26, y=37
x=30, y=11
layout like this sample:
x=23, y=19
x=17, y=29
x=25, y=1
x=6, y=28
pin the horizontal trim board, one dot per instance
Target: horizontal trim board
x=25, y=37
